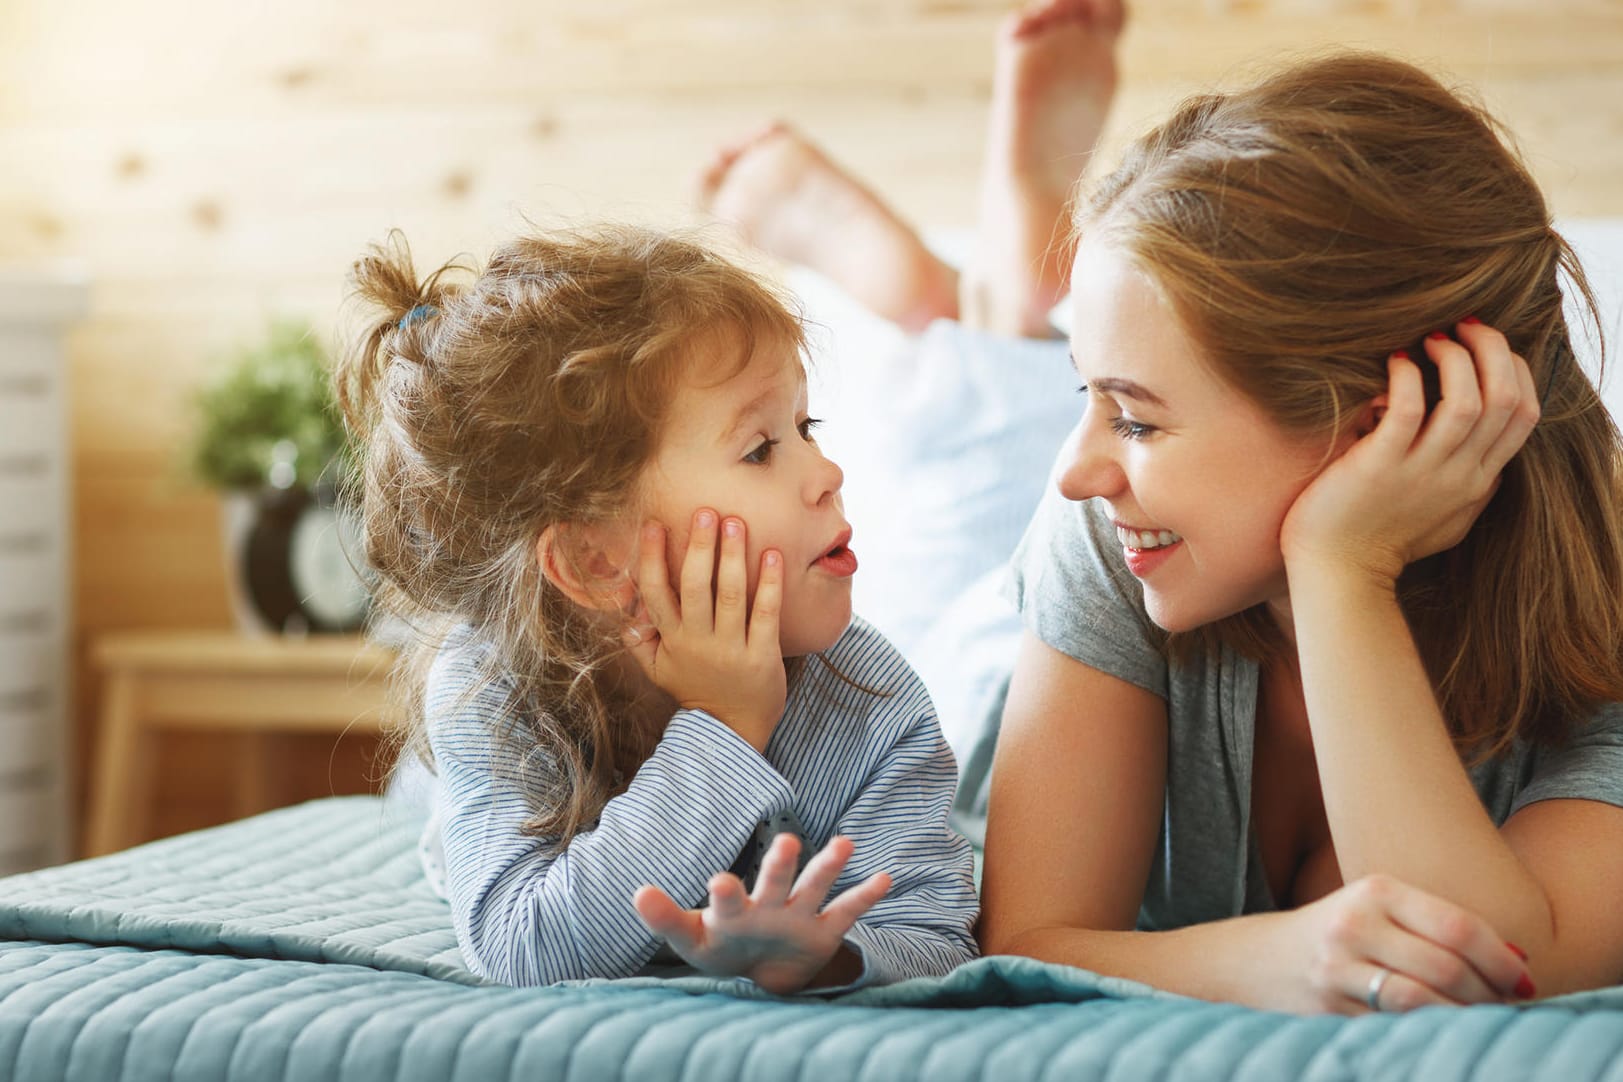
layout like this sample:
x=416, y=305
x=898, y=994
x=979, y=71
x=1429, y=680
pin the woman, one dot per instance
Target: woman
x=1342, y=607
x=1312, y=708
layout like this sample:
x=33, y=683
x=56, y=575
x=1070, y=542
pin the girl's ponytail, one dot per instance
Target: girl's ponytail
x=384, y=279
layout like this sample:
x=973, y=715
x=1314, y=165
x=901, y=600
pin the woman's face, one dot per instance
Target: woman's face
x=1197, y=479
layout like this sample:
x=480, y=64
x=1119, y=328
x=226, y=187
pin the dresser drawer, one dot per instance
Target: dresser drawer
x=30, y=415
x=28, y=814
x=30, y=499
x=27, y=740
x=29, y=663
x=31, y=581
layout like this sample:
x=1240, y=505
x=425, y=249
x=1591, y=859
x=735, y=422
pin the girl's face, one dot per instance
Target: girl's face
x=744, y=448
x=1197, y=479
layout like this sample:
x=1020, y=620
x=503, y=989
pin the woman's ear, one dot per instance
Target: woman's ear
x=588, y=566
x=1369, y=415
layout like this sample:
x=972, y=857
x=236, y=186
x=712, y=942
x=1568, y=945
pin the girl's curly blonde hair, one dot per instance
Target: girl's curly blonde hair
x=489, y=405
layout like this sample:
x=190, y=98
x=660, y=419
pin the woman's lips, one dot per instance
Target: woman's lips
x=1143, y=561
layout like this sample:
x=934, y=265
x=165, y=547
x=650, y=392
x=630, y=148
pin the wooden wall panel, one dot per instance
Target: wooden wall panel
x=210, y=166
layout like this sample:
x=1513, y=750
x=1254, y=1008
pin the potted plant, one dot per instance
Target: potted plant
x=269, y=437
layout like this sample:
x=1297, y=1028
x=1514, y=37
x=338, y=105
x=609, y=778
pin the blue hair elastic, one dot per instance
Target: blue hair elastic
x=422, y=311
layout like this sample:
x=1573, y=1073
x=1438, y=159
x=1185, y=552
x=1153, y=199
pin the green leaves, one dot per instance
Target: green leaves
x=278, y=390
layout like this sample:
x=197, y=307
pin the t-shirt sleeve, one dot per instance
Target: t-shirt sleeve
x=1589, y=767
x=1071, y=584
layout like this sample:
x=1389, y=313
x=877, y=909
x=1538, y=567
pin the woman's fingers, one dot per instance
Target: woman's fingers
x=1440, y=974
x=1457, y=414
x=1454, y=930
x=1511, y=400
x=1489, y=403
x=732, y=582
x=821, y=873
x=1381, y=988
x=1405, y=406
x=699, y=570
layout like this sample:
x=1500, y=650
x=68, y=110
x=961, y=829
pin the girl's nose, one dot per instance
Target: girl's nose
x=1090, y=470
x=826, y=479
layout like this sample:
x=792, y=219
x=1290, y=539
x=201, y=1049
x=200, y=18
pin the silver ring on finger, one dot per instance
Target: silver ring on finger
x=1377, y=981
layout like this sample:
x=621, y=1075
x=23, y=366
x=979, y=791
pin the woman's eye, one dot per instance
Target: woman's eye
x=807, y=425
x=1130, y=430
x=762, y=454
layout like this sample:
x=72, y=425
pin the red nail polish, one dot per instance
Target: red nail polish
x=1402, y=354
x=1470, y=319
x=1524, y=987
x=1516, y=950
x=1437, y=336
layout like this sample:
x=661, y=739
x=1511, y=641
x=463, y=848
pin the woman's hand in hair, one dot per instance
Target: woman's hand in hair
x=1414, y=482
x=708, y=648
x=1433, y=952
x=781, y=935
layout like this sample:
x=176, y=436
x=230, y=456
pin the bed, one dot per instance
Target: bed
x=305, y=945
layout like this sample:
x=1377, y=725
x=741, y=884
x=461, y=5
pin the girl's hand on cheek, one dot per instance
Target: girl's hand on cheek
x=1432, y=952
x=1415, y=484
x=708, y=649
x=781, y=936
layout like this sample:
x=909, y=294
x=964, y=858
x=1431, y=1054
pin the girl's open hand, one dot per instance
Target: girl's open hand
x=1431, y=951
x=708, y=650
x=781, y=936
x=1414, y=485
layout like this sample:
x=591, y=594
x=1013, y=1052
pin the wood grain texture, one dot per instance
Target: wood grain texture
x=213, y=166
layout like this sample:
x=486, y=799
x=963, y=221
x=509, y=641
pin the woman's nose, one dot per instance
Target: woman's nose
x=1090, y=470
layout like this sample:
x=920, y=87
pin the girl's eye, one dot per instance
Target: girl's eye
x=807, y=425
x=1130, y=430
x=762, y=454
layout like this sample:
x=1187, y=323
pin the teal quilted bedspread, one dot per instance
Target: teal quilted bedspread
x=304, y=945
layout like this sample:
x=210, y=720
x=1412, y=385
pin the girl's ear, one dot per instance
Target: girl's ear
x=588, y=566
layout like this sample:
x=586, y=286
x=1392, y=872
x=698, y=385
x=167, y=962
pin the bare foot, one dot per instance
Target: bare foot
x=787, y=198
x=1055, y=77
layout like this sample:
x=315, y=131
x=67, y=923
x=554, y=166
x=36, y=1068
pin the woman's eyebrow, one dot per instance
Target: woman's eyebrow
x=1126, y=388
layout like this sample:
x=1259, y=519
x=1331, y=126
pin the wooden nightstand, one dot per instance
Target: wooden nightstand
x=219, y=681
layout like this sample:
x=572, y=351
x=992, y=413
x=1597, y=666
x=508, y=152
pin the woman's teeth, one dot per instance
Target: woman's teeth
x=1146, y=539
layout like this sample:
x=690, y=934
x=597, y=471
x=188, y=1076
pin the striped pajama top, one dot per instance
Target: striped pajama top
x=872, y=767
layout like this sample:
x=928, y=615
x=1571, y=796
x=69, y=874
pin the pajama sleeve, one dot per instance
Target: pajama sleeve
x=526, y=916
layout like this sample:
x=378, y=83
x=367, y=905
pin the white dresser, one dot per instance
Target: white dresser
x=35, y=559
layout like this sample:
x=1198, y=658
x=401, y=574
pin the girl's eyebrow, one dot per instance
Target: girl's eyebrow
x=747, y=411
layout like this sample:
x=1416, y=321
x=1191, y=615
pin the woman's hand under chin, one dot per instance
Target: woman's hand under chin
x=1415, y=484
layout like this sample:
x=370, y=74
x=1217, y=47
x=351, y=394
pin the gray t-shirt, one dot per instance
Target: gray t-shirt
x=1071, y=584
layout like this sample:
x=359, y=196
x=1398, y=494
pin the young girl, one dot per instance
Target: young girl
x=590, y=484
